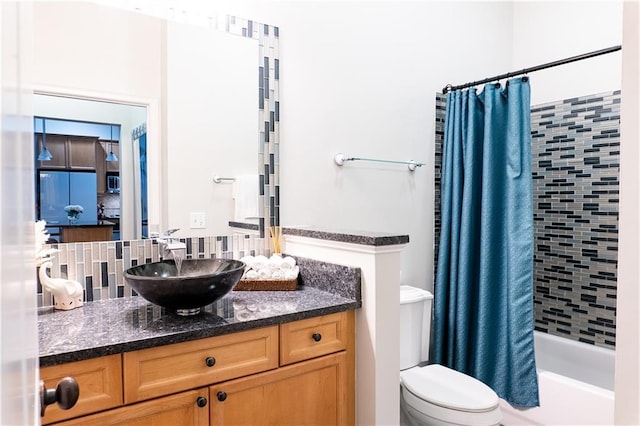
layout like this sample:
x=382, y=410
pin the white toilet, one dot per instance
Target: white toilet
x=434, y=394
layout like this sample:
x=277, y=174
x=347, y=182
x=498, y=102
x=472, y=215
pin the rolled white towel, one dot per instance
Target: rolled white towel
x=288, y=263
x=264, y=273
x=275, y=262
x=251, y=275
x=260, y=262
x=278, y=274
x=249, y=261
x=290, y=274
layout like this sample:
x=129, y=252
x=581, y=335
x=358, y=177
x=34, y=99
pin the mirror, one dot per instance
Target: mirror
x=197, y=86
x=95, y=121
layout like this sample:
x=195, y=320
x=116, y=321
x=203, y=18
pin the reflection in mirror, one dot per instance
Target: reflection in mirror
x=81, y=133
x=198, y=85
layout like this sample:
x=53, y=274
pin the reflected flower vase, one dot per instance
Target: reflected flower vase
x=73, y=213
x=73, y=218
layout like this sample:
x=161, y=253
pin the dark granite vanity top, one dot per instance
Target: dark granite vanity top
x=125, y=324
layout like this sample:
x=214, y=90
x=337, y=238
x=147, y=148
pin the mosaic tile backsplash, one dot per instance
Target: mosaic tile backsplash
x=98, y=266
x=575, y=166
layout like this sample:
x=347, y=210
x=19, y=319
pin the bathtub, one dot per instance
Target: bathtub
x=575, y=382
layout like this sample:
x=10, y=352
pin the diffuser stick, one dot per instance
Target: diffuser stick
x=276, y=234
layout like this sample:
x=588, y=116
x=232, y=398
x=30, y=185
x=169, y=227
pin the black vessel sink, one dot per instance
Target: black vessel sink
x=200, y=282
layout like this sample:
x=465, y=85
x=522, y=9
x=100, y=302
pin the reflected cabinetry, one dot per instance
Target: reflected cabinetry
x=70, y=152
x=300, y=372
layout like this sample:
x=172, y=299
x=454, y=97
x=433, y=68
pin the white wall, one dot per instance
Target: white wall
x=360, y=78
x=72, y=51
x=546, y=31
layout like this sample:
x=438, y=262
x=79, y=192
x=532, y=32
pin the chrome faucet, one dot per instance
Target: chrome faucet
x=167, y=243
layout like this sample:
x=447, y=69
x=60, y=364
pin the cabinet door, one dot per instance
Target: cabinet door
x=99, y=380
x=186, y=408
x=315, y=392
x=101, y=168
x=112, y=166
x=57, y=146
x=82, y=152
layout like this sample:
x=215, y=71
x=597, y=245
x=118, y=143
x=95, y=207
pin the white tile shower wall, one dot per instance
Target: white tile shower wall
x=575, y=167
x=98, y=266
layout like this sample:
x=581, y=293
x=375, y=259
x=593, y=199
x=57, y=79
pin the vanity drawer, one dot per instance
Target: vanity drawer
x=167, y=369
x=99, y=380
x=314, y=337
x=180, y=409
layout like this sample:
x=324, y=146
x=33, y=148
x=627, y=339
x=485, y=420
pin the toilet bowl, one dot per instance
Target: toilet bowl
x=439, y=395
x=434, y=394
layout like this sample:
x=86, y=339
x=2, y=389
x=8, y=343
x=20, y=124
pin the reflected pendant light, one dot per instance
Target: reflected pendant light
x=111, y=156
x=45, y=154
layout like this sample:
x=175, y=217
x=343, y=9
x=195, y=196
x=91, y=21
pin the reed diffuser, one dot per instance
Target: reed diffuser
x=276, y=235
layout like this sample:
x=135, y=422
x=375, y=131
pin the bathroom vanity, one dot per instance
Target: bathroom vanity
x=250, y=358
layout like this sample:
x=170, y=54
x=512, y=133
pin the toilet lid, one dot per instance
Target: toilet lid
x=449, y=388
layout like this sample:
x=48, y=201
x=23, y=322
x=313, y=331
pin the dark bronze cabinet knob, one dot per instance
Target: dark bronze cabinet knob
x=66, y=394
x=210, y=361
x=221, y=396
x=201, y=401
x=316, y=337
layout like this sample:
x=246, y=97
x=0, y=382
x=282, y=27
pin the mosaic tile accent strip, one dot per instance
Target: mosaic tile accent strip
x=441, y=114
x=98, y=266
x=268, y=115
x=575, y=167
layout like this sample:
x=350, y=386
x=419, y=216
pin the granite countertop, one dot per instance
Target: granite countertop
x=369, y=238
x=126, y=324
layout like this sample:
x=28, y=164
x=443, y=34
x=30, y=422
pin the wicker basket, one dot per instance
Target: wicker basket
x=267, y=285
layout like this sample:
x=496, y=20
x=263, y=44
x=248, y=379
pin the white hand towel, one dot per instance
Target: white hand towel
x=245, y=195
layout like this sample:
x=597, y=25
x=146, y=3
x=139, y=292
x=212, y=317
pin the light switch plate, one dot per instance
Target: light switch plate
x=197, y=220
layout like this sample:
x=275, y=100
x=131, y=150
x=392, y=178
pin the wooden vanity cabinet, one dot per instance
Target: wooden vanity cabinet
x=313, y=392
x=301, y=372
x=178, y=409
x=315, y=383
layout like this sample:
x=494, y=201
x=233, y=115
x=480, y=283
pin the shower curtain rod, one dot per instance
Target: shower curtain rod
x=536, y=68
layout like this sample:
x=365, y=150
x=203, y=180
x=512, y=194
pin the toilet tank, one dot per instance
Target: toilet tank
x=415, y=325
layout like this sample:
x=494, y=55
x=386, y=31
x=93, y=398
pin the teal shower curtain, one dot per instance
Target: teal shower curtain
x=483, y=307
